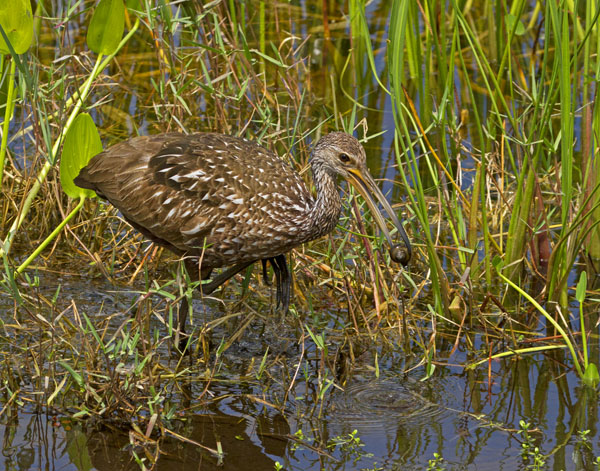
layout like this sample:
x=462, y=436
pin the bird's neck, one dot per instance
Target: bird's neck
x=326, y=210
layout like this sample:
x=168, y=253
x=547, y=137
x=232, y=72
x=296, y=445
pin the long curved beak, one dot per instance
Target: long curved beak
x=366, y=186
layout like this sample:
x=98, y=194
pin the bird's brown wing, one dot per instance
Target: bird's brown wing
x=225, y=197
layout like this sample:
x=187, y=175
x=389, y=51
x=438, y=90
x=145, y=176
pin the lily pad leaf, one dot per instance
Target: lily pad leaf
x=106, y=27
x=82, y=142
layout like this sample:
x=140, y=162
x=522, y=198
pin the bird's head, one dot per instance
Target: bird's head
x=341, y=154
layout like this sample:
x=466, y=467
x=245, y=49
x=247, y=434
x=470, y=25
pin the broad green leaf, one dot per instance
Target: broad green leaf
x=106, y=27
x=497, y=262
x=581, y=287
x=17, y=22
x=513, y=22
x=82, y=142
x=134, y=5
x=591, y=377
x=4, y=79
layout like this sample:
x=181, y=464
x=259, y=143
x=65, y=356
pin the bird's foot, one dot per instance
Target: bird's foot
x=183, y=344
x=284, y=282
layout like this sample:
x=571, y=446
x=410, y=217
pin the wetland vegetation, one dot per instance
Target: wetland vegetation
x=481, y=125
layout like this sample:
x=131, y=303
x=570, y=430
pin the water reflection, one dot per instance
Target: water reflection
x=33, y=441
x=400, y=423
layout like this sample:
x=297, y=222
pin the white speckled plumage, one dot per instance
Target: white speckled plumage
x=227, y=199
x=241, y=204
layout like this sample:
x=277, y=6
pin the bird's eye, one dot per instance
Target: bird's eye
x=344, y=158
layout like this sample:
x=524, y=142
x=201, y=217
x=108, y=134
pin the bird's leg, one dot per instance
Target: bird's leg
x=181, y=337
x=208, y=288
x=264, y=270
x=275, y=263
x=284, y=281
x=277, y=271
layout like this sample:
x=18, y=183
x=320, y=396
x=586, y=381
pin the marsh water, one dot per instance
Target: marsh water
x=399, y=418
x=260, y=391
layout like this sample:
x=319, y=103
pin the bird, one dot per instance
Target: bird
x=223, y=201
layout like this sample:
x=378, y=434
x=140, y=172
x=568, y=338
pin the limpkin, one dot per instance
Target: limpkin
x=220, y=201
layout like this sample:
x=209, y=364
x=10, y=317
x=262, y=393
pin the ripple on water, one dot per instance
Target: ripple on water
x=373, y=403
